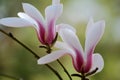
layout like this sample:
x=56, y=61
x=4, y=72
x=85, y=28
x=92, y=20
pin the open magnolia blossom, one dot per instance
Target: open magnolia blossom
x=46, y=29
x=83, y=61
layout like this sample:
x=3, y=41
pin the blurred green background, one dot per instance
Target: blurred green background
x=17, y=61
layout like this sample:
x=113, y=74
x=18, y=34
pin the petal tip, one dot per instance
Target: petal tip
x=24, y=4
x=65, y=26
x=39, y=62
x=54, y=2
x=103, y=22
x=91, y=18
x=19, y=13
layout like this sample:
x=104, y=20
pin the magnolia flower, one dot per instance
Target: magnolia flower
x=83, y=61
x=46, y=29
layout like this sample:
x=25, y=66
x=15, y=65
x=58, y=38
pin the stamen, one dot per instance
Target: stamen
x=81, y=76
x=43, y=47
x=76, y=75
x=53, y=42
x=90, y=73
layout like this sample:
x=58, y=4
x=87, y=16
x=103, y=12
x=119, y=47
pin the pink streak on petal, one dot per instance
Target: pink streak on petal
x=89, y=61
x=51, y=32
x=78, y=61
x=41, y=33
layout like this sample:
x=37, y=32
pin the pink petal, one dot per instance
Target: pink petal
x=39, y=27
x=64, y=26
x=41, y=34
x=71, y=39
x=15, y=22
x=94, y=35
x=78, y=60
x=75, y=54
x=52, y=57
x=33, y=12
x=52, y=13
x=97, y=62
x=36, y=15
x=92, y=38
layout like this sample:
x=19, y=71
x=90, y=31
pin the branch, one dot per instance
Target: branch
x=64, y=69
x=48, y=48
x=36, y=56
x=11, y=77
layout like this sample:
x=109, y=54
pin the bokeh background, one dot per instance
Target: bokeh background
x=17, y=61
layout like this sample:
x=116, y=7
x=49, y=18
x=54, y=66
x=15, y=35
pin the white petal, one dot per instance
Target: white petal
x=98, y=62
x=89, y=25
x=93, y=37
x=15, y=22
x=61, y=45
x=69, y=37
x=33, y=12
x=63, y=26
x=52, y=56
x=28, y=18
x=53, y=12
x=54, y=2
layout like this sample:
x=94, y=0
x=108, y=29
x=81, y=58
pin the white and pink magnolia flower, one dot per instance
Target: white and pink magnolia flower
x=83, y=61
x=46, y=28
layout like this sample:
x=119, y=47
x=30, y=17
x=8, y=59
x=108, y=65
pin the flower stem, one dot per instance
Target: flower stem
x=11, y=77
x=83, y=77
x=36, y=56
x=65, y=70
x=60, y=78
x=15, y=39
